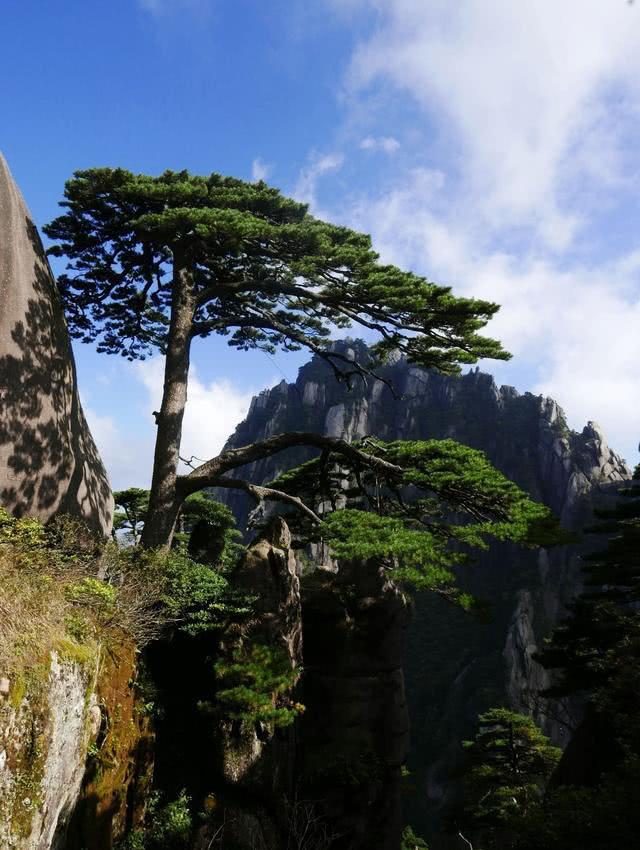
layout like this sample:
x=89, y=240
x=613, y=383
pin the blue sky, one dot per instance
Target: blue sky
x=487, y=144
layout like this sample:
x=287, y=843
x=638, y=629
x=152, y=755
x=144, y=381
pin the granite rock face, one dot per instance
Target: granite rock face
x=456, y=667
x=48, y=461
x=43, y=748
x=525, y=436
x=255, y=759
x=355, y=731
x=75, y=753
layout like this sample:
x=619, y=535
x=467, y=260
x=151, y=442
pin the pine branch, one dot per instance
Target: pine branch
x=210, y=472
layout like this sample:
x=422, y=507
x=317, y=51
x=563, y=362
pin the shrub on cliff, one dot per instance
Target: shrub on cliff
x=39, y=567
x=167, y=826
x=507, y=768
x=256, y=684
x=411, y=841
x=64, y=590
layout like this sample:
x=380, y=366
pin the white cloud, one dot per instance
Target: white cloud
x=128, y=460
x=574, y=328
x=320, y=165
x=527, y=114
x=213, y=409
x=381, y=143
x=212, y=413
x=260, y=170
x=159, y=8
x=522, y=90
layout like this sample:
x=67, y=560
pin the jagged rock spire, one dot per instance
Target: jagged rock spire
x=48, y=461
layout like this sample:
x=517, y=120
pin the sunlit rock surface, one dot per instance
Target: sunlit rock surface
x=48, y=461
x=44, y=735
x=75, y=751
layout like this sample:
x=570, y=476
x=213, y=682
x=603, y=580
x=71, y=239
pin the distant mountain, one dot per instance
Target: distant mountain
x=455, y=666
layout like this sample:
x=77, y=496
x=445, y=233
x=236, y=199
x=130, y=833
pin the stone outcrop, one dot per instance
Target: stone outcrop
x=75, y=753
x=44, y=737
x=119, y=769
x=334, y=778
x=256, y=760
x=355, y=731
x=48, y=461
x=455, y=666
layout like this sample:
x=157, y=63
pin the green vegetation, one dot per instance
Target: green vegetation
x=167, y=826
x=411, y=841
x=197, y=598
x=588, y=648
x=593, y=799
x=597, y=653
x=208, y=528
x=155, y=262
x=256, y=684
x=133, y=503
x=420, y=513
x=508, y=765
x=46, y=604
x=65, y=590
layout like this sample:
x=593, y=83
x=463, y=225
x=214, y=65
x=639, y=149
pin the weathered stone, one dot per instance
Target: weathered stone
x=355, y=732
x=95, y=719
x=45, y=746
x=48, y=461
x=116, y=783
x=256, y=759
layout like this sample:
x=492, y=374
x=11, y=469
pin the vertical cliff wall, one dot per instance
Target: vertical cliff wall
x=254, y=774
x=45, y=730
x=75, y=751
x=48, y=461
x=355, y=732
x=455, y=666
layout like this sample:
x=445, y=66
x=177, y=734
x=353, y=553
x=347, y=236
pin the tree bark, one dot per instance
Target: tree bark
x=164, y=500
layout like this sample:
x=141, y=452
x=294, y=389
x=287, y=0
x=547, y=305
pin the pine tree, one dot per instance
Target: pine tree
x=424, y=510
x=507, y=766
x=155, y=262
x=133, y=503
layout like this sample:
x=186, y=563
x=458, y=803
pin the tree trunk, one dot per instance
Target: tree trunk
x=164, y=500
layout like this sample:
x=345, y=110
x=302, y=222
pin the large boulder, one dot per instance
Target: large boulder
x=48, y=461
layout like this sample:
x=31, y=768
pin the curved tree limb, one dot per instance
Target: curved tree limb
x=209, y=473
x=261, y=494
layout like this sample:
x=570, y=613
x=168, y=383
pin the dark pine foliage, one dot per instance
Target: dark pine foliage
x=154, y=262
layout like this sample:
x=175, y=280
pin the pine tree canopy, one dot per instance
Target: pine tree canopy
x=507, y=765
x=422, y=513
x=262, y=272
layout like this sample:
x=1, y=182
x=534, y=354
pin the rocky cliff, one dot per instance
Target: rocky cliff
x=256, y=761
x=48, y=461
x=455, y=666
x=74, y=752
x=45, y=731
x=354, y=736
